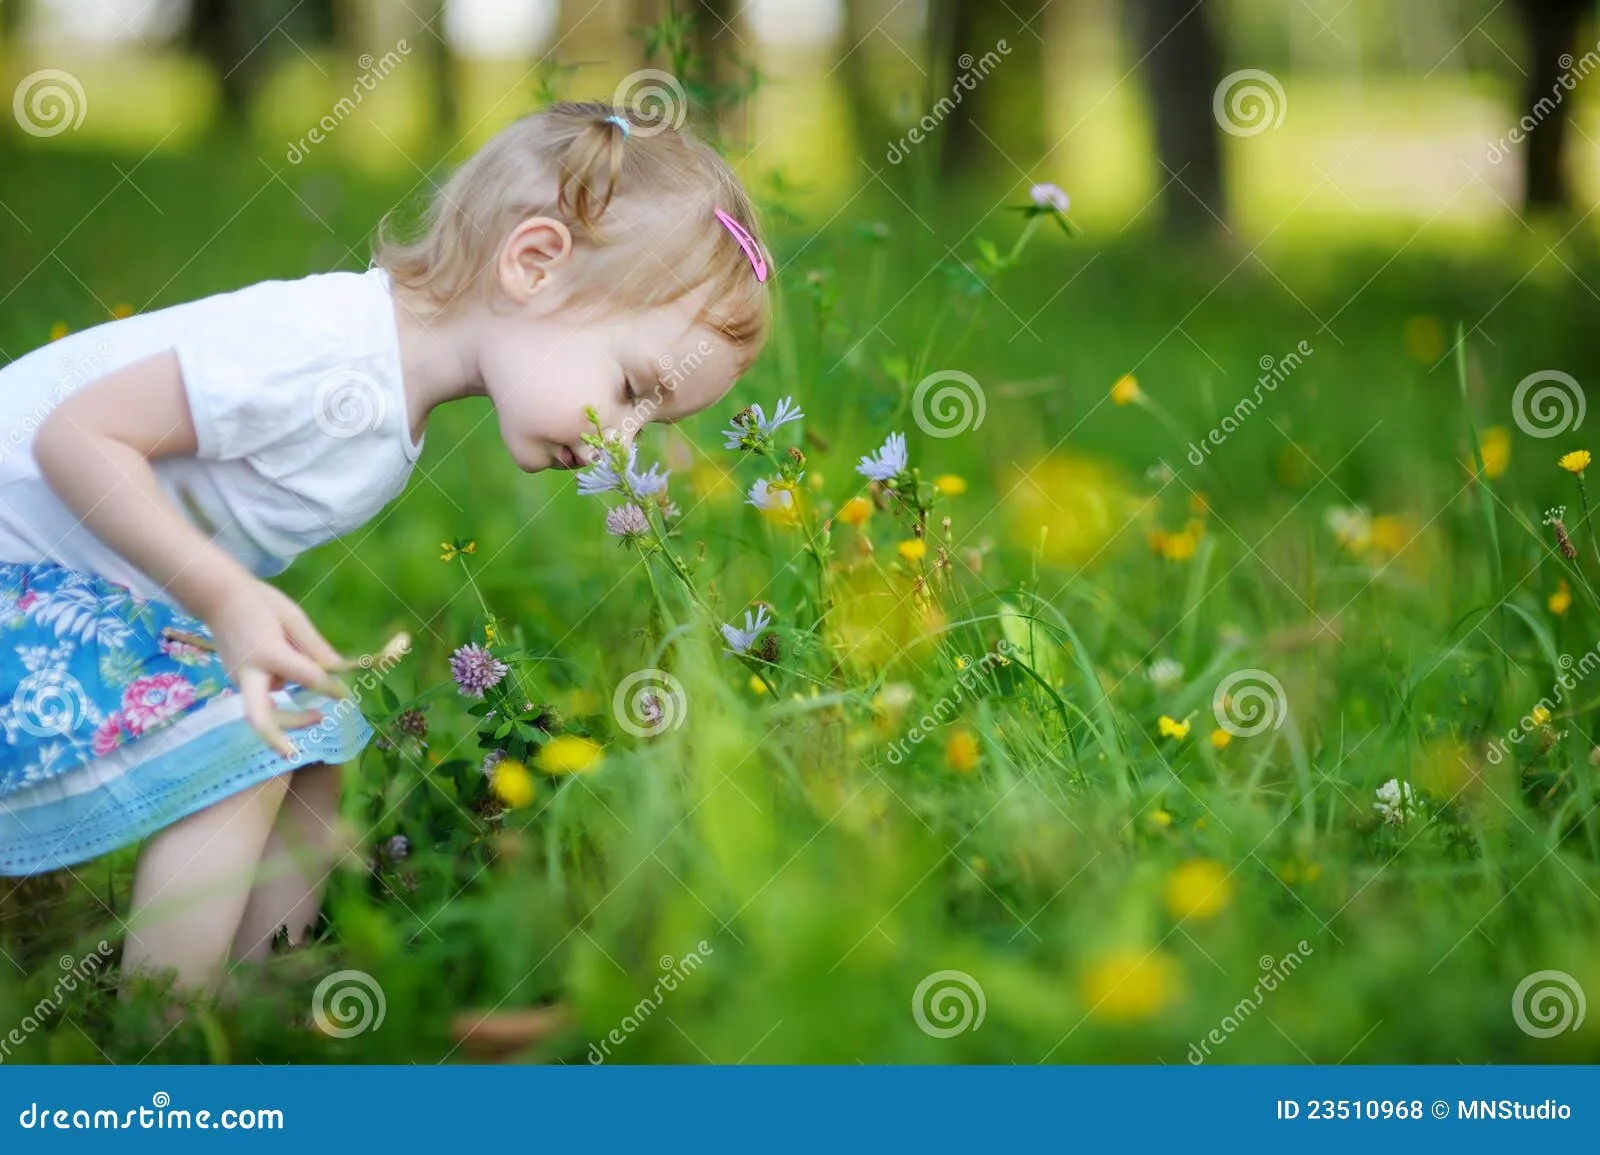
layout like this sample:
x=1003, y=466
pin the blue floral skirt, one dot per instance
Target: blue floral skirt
x=114, y=723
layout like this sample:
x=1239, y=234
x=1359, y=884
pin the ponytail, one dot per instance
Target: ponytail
x=590, y=168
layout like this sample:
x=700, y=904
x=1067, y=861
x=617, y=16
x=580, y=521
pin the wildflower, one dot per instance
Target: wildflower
x=855, y=511
x=751, y=426
x=1539, y=715
x=1129, y=983
x=627, y=522
x=913, y=549
x=452, y=549
x=1173, y=729
x=1495, y=449
x=1397, y=802
x=490, y=760
x=412, y=722
x=1161, y=818
x=476, y=670
x=889, y=462
x=1576, y=461
x=604, y=477
x=1176, y=546
x=644, y=484
x=1560, y=601
x=739, y=641
x=961, y=752
x=1198, y=889
x=1165, y=673
x=1554, y=517
x=569, y=754
x=757, y=684
x=1220, y=739
x=1388, y=534
x=512, y=783
x=1050, y=196
x=1352, y=525
x=397, y=848
x=775, y=498
x=1125, y=391
x=950, y=484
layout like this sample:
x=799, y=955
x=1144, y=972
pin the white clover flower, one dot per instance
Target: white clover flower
x=1397, y=802
x=1165, y=673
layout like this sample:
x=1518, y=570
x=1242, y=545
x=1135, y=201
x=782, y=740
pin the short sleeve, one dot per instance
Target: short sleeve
x=257, y=363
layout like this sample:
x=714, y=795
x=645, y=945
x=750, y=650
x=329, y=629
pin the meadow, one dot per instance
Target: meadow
x=1070, y=746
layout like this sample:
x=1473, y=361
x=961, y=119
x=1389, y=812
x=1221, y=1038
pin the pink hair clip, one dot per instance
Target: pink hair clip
x=747, y=243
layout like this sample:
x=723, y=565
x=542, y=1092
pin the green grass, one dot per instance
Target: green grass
x=828, y=880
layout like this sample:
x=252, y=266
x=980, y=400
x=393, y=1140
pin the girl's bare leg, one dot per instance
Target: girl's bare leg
x=192, y=883
x=305, y=843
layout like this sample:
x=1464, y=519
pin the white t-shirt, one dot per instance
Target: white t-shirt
x=296, y=395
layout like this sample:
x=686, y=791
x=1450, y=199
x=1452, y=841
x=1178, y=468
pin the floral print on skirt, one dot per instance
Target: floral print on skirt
x=114, y=723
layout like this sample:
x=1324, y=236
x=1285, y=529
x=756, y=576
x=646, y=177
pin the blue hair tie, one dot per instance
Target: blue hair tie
x=621, y=123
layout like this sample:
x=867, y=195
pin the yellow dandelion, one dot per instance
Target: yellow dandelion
x=1198, y=889
x=913, y=549
x=1389, y=534
x=1130, y=983
x=1560, y=601
x=757, y=686
x=961, y=752
x=1178, y=546
x=512, y=783
x=1125, y=391
x=1161, y=818
x=1173, y=729
x=569, y=754
x=1539, y=715
x=855, y=512
x=1576, y=461
x=950, y=484
x=1220, y=739
x=59, y=330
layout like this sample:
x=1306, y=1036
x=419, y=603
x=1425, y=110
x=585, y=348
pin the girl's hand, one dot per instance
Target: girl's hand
x=264, y=639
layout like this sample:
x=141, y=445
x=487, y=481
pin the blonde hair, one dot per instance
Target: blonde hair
x=612, y=187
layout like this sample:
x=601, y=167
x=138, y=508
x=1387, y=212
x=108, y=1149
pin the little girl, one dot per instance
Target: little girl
x=155, y=469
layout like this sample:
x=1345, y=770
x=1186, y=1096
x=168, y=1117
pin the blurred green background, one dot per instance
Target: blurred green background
x=1068, y=867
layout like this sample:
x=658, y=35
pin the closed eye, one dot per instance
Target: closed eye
x=628, y=391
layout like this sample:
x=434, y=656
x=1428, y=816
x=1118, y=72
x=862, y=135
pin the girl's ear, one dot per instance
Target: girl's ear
x=535, y=248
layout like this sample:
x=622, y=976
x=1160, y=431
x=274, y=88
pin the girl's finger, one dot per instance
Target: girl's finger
x=290, y=663
x=306, y=635
x=258, y=710
x=296, y=719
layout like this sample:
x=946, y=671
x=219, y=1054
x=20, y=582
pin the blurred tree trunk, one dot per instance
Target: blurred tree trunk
x=441, y=72
x=10, y=19
x=998, y=50
x=1551, y=27
x=219, y=32
x=869, y=128
x=1182, y=68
